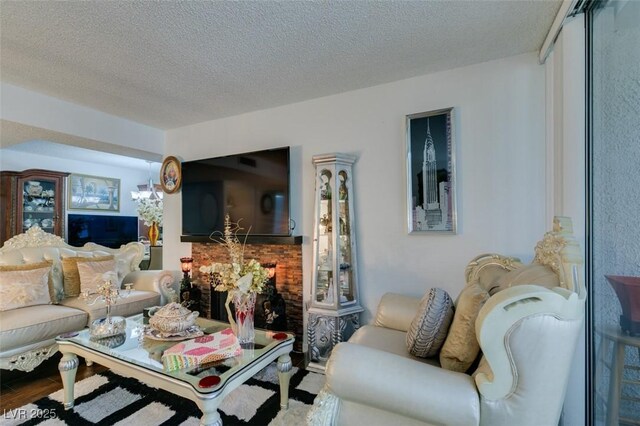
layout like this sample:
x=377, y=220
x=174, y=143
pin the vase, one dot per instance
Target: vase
x=244, y=304
x=154, y=233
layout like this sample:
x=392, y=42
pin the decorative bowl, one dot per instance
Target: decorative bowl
x=172, y=318
x=110, y=341
x=107, y=327
x=34, y=188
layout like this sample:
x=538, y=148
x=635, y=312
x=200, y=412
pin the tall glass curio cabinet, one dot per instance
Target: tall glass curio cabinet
x=335, y=309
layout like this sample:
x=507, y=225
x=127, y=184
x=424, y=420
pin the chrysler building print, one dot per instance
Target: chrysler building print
x=432, y=199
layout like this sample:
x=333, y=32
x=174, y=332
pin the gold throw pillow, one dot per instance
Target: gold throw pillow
x=461, y=347
x=71, y=279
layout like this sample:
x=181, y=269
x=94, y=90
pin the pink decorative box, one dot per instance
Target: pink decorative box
x=201, y=350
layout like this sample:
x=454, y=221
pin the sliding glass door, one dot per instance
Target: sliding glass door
x=614, y=198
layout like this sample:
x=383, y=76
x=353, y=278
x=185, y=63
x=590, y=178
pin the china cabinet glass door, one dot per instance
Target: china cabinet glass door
x=39, y=204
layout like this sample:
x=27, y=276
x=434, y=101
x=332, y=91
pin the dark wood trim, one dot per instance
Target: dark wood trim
x=251, y=239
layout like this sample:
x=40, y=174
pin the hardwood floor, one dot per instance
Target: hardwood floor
x=18, y=388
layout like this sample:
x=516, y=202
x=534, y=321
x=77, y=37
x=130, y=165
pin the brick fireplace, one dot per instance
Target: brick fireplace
x=288, y=276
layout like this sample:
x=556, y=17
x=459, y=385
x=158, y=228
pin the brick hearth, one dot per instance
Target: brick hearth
x=288, y=275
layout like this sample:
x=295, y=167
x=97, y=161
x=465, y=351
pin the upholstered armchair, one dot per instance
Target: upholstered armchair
x=527, y=332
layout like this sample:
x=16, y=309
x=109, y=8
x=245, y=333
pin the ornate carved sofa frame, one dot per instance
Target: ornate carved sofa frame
x=27, y=335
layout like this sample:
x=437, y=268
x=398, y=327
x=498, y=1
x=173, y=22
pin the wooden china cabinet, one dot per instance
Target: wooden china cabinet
x=32, y=198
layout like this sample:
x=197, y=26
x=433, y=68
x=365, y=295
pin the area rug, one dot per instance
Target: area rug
x=110, y=399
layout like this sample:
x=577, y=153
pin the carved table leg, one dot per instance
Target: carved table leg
x=68, y=366
x=284, y=374
x=210, y=414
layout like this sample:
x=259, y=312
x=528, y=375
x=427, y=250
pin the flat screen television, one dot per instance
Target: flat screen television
x=252, y=188
x=106, y=230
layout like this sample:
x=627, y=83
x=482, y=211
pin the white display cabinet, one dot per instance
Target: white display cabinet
x=335, y=309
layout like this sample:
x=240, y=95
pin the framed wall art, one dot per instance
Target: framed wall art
x=431, y=189
x=171, y=175
x=93, y=193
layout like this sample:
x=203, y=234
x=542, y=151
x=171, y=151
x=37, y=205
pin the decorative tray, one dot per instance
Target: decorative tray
x=189, y=333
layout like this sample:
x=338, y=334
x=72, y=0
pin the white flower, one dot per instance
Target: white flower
x=150, y=211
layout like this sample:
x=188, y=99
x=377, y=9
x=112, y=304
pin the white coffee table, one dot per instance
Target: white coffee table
x=140, y=358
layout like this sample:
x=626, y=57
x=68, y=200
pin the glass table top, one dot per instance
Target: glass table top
x=134, y=348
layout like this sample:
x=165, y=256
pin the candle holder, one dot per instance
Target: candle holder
x=110, y=325
x=189, y=294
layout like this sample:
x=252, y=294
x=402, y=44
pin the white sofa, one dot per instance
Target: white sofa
x=27, y=334
x=527, y=333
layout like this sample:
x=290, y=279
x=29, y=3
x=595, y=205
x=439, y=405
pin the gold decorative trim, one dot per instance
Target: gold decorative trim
x=477, y=264
x=548, y=251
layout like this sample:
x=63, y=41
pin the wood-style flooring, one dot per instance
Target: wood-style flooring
x=18, y=388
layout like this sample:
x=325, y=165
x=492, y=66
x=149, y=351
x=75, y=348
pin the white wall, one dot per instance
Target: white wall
x=566, y=190
x=500, y=137
x=129, y=178
x=41, y=111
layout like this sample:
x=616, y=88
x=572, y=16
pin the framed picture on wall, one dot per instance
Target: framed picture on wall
x=431, y=188
x=171, y=175
x=93, y=193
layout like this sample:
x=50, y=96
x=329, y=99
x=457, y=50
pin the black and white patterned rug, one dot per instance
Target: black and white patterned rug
x=110, y=399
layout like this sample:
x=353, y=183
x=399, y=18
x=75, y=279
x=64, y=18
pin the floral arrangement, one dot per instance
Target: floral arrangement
x=239, y=275
x=150, y=210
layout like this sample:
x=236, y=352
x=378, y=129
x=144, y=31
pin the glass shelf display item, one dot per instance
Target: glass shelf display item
x=335, y=307
x=36, y=198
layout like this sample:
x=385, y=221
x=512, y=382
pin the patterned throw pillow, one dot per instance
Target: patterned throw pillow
x=29, y=266
x=71, y=281
x=461, y=347
x=93, y=273
x=26, y=287
x=430, y=325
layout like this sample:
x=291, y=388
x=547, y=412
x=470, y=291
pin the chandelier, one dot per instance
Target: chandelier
x=149, y=190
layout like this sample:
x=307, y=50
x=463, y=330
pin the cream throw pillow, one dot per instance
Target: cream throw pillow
x=71, y=280
x=94, y=273
x=461, y=347
x=22, y=288
x=31, y=266
x=431, y=323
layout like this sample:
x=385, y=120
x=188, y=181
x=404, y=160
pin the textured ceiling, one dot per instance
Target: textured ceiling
x=169, y=64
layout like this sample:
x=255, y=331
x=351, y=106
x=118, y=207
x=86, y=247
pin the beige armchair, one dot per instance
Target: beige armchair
x=527, y=334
